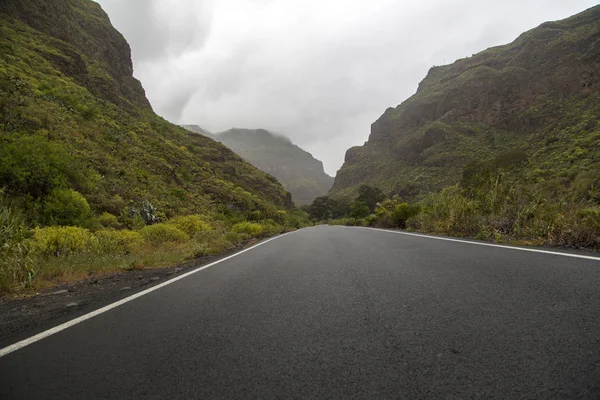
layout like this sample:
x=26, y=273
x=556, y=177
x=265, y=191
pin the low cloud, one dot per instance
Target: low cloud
x=318, y=71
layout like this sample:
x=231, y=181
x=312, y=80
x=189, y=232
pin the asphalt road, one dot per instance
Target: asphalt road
x=334, y=312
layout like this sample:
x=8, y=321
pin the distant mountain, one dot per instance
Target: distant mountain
x=532, y=105
x=297, y=170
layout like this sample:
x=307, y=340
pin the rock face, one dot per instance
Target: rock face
x=67, y=85
x=91, y=51
x=297, y=170
x=539, y=94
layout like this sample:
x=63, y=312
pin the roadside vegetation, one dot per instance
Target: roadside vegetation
x=91, y=180
x=34, y=257
x=488, y=204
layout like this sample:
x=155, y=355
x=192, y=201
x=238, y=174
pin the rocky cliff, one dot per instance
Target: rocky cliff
x=537, y=99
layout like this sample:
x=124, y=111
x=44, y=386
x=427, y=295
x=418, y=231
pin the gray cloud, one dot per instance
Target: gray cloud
x=318, y=71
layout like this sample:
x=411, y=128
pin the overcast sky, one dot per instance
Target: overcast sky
x=317, y=71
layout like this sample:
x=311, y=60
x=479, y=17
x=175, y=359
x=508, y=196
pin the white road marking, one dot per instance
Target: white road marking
x=26, y=342
x=533, y=250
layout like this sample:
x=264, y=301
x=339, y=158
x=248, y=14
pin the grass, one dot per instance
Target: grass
x=51, y=269
x=35, y=258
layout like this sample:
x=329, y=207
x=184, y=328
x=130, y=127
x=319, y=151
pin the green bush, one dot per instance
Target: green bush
x=191, y=224
x=235, y=237
x=218, y=246
x=402, y=213
x=64, y=241
x=281, y=217
x=359, y=209
x=591, y=218
x=249, y=228
x=65, y=207
x=16, y=265
x=255, y=215
x=32, y=165
x=108, y=220
x=370, y=220
x=164, y=233
x=119, y=242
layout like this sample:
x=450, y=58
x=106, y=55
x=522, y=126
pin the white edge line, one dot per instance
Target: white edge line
x=26, y=342
x=556, y=253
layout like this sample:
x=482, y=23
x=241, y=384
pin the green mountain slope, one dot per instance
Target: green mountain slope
x=531, y=106
x=72, y=116
x=297, y=170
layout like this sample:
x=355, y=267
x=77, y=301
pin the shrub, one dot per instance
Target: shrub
x=359, y=209
x=108, y=220
x=370, y=220
x=64, y=240
x=402, y=213
x=34, y=165
x=235, y=237
x=164, y=233
x=119, y=242
x=591, y=218
x=255, y=215
x=370, y=196
x=218, y=246
x=281, y=217
x=249, y=228
x=191, y=224
x=16, y=264
x=65, y=207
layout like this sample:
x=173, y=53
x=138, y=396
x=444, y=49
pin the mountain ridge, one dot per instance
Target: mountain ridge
x=500, y=100
x=298, y=171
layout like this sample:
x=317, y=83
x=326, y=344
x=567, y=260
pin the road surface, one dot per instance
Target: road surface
x=335, y=312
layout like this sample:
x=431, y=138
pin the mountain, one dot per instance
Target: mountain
x=532, y=106
x=73, y=117
x=296, y=169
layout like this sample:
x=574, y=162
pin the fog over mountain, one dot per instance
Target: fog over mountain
x=321, y=72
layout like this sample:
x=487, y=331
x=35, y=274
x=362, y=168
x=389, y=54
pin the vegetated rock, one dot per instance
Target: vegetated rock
x=66, y=70
x=539, y=95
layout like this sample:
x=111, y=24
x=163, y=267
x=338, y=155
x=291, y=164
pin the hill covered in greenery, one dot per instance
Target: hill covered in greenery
x=297, y=170
x=531, y=106
x=90, y=177
x=503, y=146
x=72, y=116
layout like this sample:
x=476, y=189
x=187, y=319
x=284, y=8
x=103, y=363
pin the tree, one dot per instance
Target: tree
x=370, y=196
x=322, y=208
x=341, y=209
x=359, y=209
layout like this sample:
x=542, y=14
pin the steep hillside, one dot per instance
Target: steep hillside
x=296, y=169
x=532, y=105
x=72, y=116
